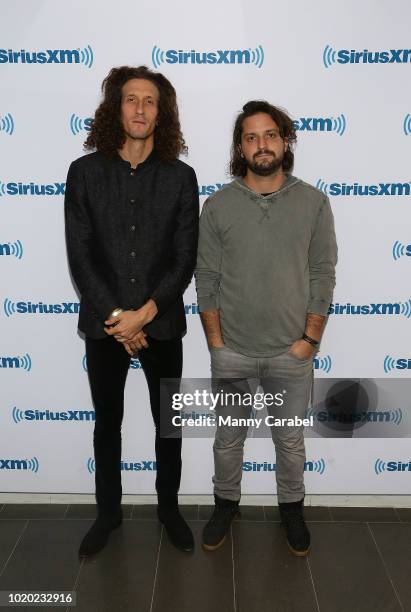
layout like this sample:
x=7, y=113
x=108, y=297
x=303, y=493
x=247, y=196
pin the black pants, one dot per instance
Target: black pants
x=108, y=364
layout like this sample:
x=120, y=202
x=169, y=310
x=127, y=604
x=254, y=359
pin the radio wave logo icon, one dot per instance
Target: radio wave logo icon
x=77, y=124
x=25, y=362
x=2, y=189
x=84, y=362
x=340, y=124
x=406, y=308
x=322, y=186
x=257, y=56
x=15, y=249
x=398, y=250
x=91, y=465
x=380, y=466
x=396, y=416
x=329, y=56
x=319, y=466
x=9, y=307
x=157, y=56
x=323, y=363
x=407, y=124
x=17, y=415
x=389, y=364
x=7, y=124
x=87, y=56
x=33, y=465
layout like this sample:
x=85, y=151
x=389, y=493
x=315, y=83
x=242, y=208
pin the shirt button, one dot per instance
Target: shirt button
x=132, y=201
x=132, y=280
x=132, y=227
x=132, y=173
x=133, y=253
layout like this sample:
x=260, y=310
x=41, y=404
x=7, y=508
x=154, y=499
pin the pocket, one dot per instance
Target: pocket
x=297, y=359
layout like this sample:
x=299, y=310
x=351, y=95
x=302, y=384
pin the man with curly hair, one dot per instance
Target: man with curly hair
x=131, y=212
x=265, y=276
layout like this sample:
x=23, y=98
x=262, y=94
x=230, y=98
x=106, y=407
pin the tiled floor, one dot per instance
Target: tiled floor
x=360, y=561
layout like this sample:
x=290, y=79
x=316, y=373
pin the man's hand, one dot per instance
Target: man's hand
x=137, y=343
x=302, y=349
x=130, y=322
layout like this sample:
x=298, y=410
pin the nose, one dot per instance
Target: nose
x=139, y=107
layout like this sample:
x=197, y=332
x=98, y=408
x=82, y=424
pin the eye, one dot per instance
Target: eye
x=250, y=138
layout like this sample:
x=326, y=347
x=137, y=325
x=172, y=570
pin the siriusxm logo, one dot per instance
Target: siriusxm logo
x=11, y=249
x=220, y=56
x=16, y=363
x=20, y=464
x=352, y=56
x=207, y=190
x=355, y=189
x=402, y=363
x=191, y=309
x=381, y=466
x=77, y=124
x=135, y=364
x=83, y=56
x=364, y=416
x=32, y=189
x=127, y=466
x=321, y=124
x=7, y=124
x=49, y=415
x=400, y=250
x=265, y=466
x=395, y=308
x=322, y=363
x=11, y=308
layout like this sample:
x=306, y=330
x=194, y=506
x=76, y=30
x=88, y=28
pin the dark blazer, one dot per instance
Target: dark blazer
x=131, y=236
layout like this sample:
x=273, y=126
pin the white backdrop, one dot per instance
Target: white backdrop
x=355, y=124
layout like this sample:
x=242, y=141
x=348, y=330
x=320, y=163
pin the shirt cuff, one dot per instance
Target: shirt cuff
x=319, y=307
x=208, y=302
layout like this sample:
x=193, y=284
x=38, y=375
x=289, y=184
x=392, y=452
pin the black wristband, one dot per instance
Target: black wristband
x=311, y=340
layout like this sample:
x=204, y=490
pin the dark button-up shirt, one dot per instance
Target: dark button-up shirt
x=131, y=236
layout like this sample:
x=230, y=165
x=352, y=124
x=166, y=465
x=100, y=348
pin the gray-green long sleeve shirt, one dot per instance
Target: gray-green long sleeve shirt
x=265, y=262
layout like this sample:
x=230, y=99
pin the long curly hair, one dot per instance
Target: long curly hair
x=238, y=165
x=107, y=133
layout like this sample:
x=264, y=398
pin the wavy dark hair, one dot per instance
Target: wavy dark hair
x=238, y=165
x=107, y=134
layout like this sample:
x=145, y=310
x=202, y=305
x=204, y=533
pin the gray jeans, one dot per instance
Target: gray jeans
x=237, y=373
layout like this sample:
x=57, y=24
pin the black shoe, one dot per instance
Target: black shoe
x=214, y=533
x=179, y=533
x=96, y=538
x=298, y=536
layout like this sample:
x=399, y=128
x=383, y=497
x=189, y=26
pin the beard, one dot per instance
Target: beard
x=265, y=167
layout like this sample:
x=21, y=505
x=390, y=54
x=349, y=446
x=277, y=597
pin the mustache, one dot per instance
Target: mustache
x=263, y=152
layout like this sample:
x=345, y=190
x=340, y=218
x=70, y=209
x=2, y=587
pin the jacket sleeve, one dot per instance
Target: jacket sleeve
x=208, y=262
x=179, y=274
x=79, y=241
x=322, y=259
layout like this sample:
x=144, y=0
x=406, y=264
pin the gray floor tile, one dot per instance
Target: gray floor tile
x=10, y=531
x=272, y=513
x=149, y=512
x=374, y=515
x=33, y=511
x=348, y=572
x=121, y=576
x=394, y=544
x=89, y=511
x=404, y=514
x=45, y=557
x=267, y=577
x=200, y=581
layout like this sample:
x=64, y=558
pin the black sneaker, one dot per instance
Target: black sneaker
x=97, y=536
x=214, y=533
x=179, y=533
x=298, y=536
